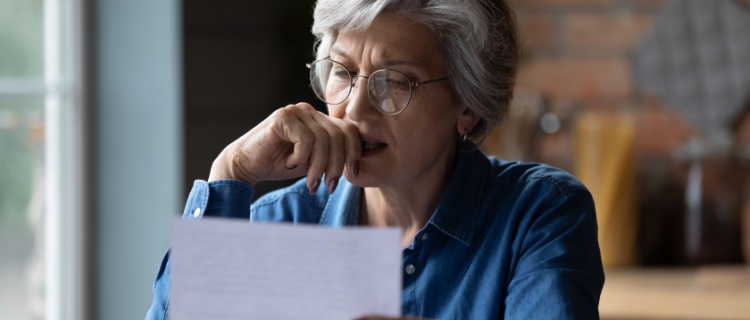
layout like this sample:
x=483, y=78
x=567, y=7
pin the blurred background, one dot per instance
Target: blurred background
x=110, y=109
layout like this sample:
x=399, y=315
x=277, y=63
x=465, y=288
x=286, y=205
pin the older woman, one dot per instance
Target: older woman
x=409, y=85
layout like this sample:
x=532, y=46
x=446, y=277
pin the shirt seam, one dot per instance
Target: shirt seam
x=530, y=273
x=562, y=196
x=543, y=208
x=274, y=198
x=235, y=183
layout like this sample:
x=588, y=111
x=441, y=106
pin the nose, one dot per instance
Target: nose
x=358, y=106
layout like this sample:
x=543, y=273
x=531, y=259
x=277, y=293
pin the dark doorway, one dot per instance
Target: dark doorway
x=242, y=60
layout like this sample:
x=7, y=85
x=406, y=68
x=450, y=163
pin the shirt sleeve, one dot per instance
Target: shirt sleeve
x=559, y=274
x=222, y=198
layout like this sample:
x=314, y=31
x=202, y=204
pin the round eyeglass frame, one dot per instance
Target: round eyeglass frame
x=353, y=81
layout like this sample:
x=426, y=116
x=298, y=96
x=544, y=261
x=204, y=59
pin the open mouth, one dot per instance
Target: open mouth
x=370, y=147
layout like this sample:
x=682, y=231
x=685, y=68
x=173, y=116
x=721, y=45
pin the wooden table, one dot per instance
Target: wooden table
x=702, y=293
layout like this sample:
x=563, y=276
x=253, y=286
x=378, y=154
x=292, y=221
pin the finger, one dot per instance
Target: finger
x=318, y=160
x=291, y=128
x=336, y=155
x=353, y=146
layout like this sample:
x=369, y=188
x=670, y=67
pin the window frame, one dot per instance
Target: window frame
x=66, y=165
x=66, y=127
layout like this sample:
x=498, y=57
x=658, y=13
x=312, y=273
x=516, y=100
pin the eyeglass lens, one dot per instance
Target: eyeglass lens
x=389, y=91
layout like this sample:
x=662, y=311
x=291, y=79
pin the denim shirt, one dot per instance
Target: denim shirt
x=508, y=240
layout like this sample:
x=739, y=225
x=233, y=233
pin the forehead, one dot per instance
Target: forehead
x=390, y=37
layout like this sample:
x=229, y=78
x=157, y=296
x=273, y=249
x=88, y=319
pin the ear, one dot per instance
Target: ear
x=466, y=121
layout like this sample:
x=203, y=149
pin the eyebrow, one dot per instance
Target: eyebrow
x=383, y=64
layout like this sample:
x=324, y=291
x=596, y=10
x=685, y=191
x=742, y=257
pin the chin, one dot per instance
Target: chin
x=363, y=180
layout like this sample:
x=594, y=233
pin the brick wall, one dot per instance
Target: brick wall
x=576, y=55
x=577, y=60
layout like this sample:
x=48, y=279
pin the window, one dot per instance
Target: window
x=41, y=160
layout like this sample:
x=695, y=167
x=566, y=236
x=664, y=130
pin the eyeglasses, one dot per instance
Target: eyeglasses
x=389, y=90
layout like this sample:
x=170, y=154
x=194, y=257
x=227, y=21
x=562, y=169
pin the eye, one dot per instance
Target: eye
x=397, y=83
x=341, y=74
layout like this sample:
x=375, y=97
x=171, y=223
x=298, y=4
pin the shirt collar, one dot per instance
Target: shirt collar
x=457, y=213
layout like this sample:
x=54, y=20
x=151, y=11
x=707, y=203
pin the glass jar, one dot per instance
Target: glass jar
x=714, y=183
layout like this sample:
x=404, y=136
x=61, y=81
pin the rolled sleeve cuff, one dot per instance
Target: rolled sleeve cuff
x=221, y=198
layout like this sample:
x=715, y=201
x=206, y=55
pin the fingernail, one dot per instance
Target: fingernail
x=314, y=186
x=291, y=167
x=355, y=167
x=332, y=184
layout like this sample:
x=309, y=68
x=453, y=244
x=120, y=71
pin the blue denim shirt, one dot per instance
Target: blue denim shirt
x=508, y=240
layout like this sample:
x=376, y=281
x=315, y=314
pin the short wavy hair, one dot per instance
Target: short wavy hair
x=479, y=40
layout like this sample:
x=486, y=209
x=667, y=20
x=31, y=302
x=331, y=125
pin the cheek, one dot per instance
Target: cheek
x=418, y=131
x=440, y=117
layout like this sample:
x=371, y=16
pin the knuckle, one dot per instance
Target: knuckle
x=304, y=107
x=351, y=130
x=283, y=112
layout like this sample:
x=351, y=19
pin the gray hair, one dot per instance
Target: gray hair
x=479, y=41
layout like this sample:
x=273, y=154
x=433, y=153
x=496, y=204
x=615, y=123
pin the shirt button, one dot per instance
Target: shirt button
x=424, y=236
x=197, y=212
x=410, y=269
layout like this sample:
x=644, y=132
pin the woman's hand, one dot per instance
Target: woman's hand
x=294, y=141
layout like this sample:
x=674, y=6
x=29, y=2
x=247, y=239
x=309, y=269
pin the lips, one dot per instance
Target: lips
x=371, y=145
